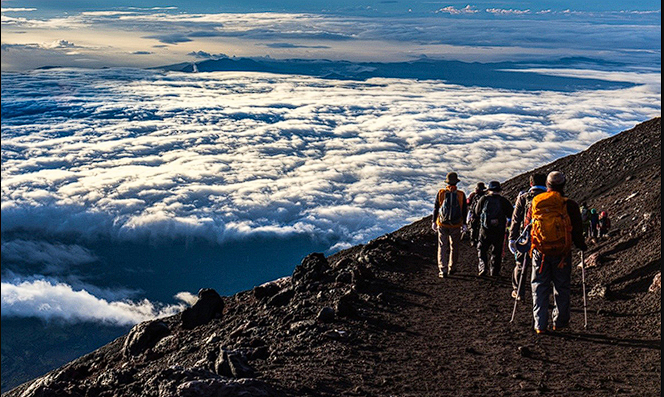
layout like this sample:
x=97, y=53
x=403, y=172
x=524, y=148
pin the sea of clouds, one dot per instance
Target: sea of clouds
x=153, y=157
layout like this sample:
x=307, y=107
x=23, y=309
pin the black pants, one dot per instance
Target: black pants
x=475, y=231
x=491, y=242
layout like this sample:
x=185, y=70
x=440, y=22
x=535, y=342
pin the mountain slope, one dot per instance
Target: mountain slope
x=375, y=319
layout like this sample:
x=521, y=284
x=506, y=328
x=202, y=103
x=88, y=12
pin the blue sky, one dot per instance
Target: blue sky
x=380, y=6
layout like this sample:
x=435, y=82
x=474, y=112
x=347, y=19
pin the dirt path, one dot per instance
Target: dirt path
x=457, y=340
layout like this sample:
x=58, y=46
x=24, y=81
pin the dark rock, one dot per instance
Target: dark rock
x=336, y=334
x=282, y=298
x=266, y=290
x=115, y=377
x=260, y=353
x=144, y=336
x=240, y=330
x=223, y=388
x=360, y=276
x=345, y=277
x=177, y=381
x=256, y=342
x=524, y=351
x=343, y=263
x=208, y=306
x=312, y=268
x=326, y=315
x=233, y=364
x=345, y=307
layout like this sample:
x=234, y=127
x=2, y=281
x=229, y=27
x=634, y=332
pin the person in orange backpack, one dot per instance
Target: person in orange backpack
x=604, y=224
x=449, y=218
x=555, y=225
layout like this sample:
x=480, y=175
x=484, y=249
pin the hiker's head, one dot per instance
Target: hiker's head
x=452, y=179
x=555, y=181
x=603, y=214
x=593, y=211
x=494, y=186
x=480, y=187
x=538, y=180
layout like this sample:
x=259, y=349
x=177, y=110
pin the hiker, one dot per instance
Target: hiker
x=585, y=220
x=594, y=223
x=604, y=224
x=449, y=217
x=473, y=221
x=520, y=221
x=492, y=210
x=555, y=225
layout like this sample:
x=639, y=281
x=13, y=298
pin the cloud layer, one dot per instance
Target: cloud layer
x=51, y=300
x=140, y=155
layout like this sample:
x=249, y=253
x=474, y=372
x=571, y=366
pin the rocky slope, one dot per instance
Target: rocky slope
x=375, y=319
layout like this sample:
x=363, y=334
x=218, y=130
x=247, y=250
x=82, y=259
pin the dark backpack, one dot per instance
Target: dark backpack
x=492, y=212
x=528, y=213
x=450, y=211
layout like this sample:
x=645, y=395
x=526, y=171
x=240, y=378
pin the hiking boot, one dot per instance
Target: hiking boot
x=442, y=275
x=515, y=295
x=559, y=327
x=481, y=273
x=540, y=331
x=451, y=272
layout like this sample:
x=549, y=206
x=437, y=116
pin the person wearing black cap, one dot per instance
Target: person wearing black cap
x=473, y=222
x=551, y=251
x=493, y=211
x=520, y=221
x=449, y=217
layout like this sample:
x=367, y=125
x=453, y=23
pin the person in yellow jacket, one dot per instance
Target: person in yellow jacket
x=449, y=218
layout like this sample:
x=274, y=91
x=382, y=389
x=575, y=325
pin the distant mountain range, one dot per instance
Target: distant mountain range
x=496, y=75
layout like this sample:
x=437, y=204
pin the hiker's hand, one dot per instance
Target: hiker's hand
x=512, y=246
x=434, y=227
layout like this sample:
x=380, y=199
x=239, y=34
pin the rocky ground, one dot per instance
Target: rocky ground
x=376, y=320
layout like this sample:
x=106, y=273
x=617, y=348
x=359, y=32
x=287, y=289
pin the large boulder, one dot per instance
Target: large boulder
x=233, y=364
x=282, y=298
x=345, y=305
x=312, y=268
x=208, y=306
x=144, y=336
x=326, y=315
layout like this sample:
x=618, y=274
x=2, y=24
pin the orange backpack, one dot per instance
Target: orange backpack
x=551, y=230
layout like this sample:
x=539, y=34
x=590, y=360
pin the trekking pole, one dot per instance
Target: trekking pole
x=583, y=283
x=524, y=234
x=518, y=288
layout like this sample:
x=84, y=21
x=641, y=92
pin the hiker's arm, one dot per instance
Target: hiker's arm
x=517, y=218
x=577, y=225
x=436, y=206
